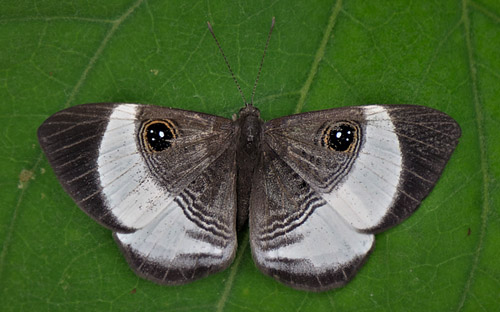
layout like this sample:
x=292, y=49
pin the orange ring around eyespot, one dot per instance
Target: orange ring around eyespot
x=168, y=123
x=327, y=134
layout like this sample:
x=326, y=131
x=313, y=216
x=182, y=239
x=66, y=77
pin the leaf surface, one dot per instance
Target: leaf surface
x=323, y=54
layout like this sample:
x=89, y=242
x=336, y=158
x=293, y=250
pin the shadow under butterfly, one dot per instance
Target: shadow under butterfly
x=174, y=185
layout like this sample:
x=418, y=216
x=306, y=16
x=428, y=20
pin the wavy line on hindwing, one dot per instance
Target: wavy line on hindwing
x=309, y=201
x=187, y=202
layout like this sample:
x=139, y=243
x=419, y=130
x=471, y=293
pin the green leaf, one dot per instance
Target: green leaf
x=323, y=54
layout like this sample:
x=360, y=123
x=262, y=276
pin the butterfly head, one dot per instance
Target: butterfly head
x=249, y=110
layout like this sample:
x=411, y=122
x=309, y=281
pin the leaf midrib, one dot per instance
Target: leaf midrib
x=304, y=91
x=485, y=208
x=114, y=27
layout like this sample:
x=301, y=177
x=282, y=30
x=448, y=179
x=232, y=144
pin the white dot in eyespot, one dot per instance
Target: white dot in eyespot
x=161, y=134
x=338, y=135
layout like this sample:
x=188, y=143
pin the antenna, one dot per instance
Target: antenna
x=229, y=66
x=227, y=63
x=262, y=60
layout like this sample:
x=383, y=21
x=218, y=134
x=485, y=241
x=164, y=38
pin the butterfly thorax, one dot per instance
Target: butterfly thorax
x=250, y=126
x=247, y=157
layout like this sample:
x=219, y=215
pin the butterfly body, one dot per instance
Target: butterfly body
x=249, y=139
x=174, y=185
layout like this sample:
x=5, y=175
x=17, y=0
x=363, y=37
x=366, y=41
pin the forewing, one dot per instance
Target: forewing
x=314, y=227
x=98, y=154
x=400, y=154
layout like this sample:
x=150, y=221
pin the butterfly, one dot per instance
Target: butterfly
x=174, y=186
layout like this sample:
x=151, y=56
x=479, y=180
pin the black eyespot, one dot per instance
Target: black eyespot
x=157, y=135
x=341, y=137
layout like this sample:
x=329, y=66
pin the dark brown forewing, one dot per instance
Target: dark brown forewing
x=427, y=138
x=70, y=139
x=95, y=152
x=297, y=140
x=201, y=138
x=403, y=151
